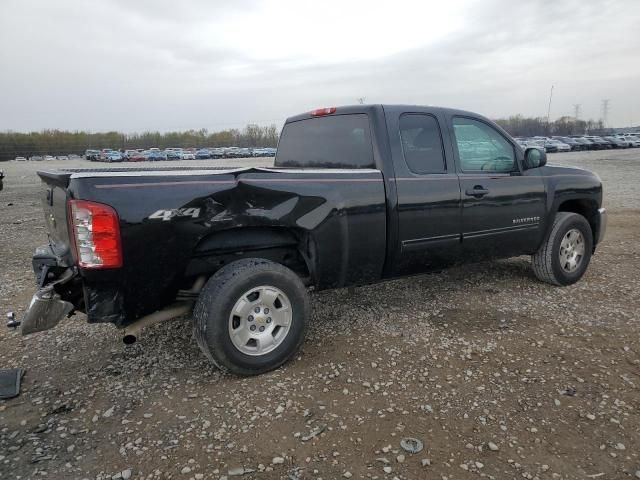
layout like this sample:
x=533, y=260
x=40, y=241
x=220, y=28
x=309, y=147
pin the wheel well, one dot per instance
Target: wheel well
x=587, y=208
x=285, y=246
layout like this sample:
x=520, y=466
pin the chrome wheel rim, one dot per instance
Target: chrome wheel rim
x=571, y=250
x=260, y=320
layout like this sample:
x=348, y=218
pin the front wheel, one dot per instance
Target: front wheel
x=251, y=316
x=565, y=255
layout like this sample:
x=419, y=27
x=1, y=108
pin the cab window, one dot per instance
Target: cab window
x=481, y=148
x=336, y=141
x=422, y=143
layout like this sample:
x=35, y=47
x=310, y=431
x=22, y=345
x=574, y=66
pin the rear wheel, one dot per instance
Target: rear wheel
x=251, y=316
x=565, y=255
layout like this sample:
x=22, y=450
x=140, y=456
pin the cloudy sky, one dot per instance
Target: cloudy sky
x=135, y=65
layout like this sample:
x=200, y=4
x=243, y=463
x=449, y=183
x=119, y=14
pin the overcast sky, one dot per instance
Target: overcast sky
x=134, y=65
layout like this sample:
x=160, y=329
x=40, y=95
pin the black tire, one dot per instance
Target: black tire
x=217, y=299
x=546, y=261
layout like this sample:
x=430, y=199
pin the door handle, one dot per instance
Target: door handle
x=477, y=191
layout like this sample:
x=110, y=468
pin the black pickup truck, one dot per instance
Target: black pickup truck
x=358, y=194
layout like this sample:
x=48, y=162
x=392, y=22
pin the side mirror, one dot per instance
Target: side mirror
x=534, y=157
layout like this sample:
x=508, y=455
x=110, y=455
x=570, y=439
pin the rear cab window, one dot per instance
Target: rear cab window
x=334, y=141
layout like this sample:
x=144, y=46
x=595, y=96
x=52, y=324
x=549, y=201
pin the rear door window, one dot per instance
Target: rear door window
x=422, y=143
x=336, y=141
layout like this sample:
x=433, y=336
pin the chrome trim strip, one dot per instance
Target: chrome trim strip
x=498, y=231
x=416, y=243
x=136, y=172
x=236, y=181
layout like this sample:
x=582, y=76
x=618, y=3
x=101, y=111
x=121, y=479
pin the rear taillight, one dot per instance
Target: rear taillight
x=96, y=234
x=321, y=112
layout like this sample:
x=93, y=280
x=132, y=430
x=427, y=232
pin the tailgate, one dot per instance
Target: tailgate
x=54, y=198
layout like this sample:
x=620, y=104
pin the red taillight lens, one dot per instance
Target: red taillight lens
x=96, y=234
x=320, y=112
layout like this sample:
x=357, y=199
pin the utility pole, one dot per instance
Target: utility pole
x=605, y=111
x=576, y=110
x=549, y=109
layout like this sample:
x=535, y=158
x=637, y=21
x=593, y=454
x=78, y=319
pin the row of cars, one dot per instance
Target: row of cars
x=581, y=142
x=155, y=154
x=48, y=158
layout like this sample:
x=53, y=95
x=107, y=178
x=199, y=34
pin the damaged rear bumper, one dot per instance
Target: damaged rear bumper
x=45, y=311
x=47, y=307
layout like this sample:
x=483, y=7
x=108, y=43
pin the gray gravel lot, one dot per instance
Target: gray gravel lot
x=499, y=375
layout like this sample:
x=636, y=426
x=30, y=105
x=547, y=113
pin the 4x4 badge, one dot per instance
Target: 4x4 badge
x=166, y=215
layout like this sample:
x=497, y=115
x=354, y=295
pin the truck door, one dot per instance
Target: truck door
x=428, y=192
x=503, y=206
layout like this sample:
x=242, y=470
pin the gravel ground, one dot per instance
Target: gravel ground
x=499, y=375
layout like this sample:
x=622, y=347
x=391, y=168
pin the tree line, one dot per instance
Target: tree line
x=519, y=126
x=60, y=142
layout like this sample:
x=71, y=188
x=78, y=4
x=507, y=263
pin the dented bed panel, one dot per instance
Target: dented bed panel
x=339, y=217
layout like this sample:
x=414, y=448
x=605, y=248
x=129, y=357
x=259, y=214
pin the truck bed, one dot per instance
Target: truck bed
x=178, y=223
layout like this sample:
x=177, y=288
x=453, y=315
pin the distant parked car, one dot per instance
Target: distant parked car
x=173, y=154
x=92, y=155
x=21, y=159
x=129, y=153
x=601, y=142
x=188, y=156
x=630, y=139
x=536, y=142
x=586, y=143
x=572, y=142
x=113, y=156
x=156, y=156
x=202, y=153
x=36, y=158
x=49, y=157
x=137, y=157
x=633, y=140
x=617, y=142
x=271, y=152
x=74, y=156
x=216, y=152
x=560, y=146
x=63, y=157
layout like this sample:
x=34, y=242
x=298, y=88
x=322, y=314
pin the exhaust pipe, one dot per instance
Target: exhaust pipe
x=132, y=332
